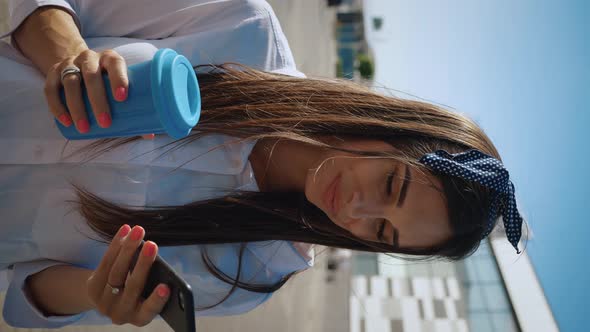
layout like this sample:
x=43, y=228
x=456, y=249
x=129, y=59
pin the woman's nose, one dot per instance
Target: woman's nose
x=358, y=209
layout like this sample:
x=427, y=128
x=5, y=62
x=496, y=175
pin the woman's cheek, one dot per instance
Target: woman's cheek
x=360, y=230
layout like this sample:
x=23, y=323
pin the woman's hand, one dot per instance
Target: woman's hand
x=91, y=65
x=50, y=38
x=126, y=306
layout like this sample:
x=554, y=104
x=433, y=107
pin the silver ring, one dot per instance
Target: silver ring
x=70, y=70
x=115, y=290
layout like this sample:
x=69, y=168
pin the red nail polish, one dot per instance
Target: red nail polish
x=121, y=94
x=163, y=291
x=124, y=231
x=65, y=120
x=83, y=126
x=104, y=120
x=150, y=250
x=136, y=234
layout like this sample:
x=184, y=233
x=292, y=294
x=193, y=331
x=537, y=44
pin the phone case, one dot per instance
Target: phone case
x=179, y=312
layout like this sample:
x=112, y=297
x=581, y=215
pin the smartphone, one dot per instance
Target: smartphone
x=179, y=311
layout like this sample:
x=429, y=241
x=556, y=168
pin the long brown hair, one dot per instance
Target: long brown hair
x=250, y=104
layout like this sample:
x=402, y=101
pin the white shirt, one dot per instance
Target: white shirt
x=40, y=229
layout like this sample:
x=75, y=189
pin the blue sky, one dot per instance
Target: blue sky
x=521, y=69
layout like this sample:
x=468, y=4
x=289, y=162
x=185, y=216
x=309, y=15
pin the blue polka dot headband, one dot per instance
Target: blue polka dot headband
x=488, y=171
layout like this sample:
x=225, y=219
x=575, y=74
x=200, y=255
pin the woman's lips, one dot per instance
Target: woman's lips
x=330, y=196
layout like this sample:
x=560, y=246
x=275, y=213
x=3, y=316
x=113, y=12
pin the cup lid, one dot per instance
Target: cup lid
x=175, y=92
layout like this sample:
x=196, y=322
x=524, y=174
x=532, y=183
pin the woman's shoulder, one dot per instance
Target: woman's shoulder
x=261, y=5
x=277, y=257
x=283, y=256
x=305, y=250
x=280, y=58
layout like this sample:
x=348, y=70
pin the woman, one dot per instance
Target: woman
x=277, y=162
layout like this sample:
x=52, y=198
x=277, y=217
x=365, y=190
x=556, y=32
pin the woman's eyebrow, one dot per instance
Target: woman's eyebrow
x=404, y=189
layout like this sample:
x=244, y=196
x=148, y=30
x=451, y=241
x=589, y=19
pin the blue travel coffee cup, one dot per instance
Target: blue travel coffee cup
x=163, y=98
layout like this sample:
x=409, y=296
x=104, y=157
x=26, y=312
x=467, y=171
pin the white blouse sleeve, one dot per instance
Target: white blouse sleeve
x=19, y=10
x=156, y=20
x=162, y=19
x=245, y=31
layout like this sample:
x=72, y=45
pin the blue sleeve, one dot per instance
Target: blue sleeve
x=20, y=310
x=262, y=264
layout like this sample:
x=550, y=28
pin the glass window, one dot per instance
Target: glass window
x=486, y=269
x=495, y=297
x=502, y=321
x=480, y=322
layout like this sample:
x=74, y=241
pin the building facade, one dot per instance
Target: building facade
x=390, y=294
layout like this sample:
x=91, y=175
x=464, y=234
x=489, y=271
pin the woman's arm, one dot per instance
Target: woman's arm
x=60, y=290
x=48, y=36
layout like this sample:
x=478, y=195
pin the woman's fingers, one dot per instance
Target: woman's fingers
x=88, y=62
x=91, y=65
x=72, y=84
x=127, y=306
x=120, y=268
x=51, y=90
x=137, y=279
x=116, y=68
x=96, y=283
x=123, y=311
x=152, y=306
x=135, y=284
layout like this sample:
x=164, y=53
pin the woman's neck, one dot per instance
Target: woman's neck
x=288, y=162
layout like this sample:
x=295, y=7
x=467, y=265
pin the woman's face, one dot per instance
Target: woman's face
x=406, y=207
